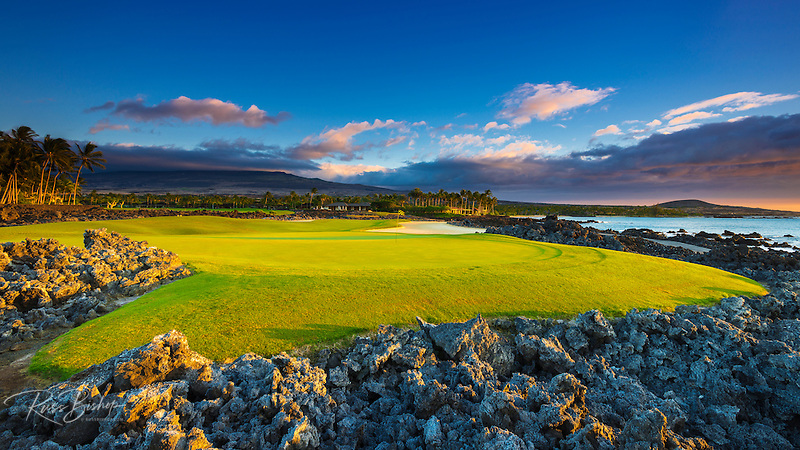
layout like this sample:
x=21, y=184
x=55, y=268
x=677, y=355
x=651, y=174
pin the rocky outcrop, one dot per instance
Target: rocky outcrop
x=749, y=254
x=45, y=285
x=722, y=377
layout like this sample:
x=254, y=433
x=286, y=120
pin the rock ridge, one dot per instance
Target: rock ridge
x=723, y=376
x=48, y=286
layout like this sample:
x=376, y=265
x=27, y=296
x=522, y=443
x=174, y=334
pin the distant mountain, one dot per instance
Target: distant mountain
x=710, y=209
x=204, y=182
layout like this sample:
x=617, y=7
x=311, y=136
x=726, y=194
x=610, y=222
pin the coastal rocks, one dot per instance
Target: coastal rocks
x=48, y=286
x=701, y=377
x=730, y=251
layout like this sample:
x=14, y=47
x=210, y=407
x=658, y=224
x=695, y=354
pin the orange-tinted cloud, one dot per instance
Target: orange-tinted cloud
x=544, y=101
x=214, y=111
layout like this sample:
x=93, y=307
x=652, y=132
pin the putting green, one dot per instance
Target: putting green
x=266, y=286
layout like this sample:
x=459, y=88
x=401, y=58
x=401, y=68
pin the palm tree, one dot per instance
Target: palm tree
x=17, y=154
x=311, y=198
x=51, y=151
x=88, y=157
x=63, y=162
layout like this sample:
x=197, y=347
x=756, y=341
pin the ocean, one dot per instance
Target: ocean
x=774, y=229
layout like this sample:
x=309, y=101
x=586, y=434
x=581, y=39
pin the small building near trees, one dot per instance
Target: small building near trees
x=342, y=206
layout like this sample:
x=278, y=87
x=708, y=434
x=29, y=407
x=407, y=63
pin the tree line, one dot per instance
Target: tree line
x=415, y=201
x=45, y=171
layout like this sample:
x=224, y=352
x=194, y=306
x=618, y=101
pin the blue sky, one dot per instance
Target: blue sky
x=585, y=102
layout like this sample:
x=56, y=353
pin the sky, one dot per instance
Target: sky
x=576, y=102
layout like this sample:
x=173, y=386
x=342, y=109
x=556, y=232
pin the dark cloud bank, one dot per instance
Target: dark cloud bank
x=757, y=155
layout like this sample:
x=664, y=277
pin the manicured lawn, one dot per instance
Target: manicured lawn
x=267, y=286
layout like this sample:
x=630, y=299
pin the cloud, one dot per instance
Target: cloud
x=330, y=171
x=691, y=117
x=739, y=101
x=185, y=109
x=653, y=123
x=338, y=142
x=105, y=125
x=239, y=154
x=544, y=101
x=676, y=128
x=421, y=123
x=107, y=105
x=494, y=125
x=459, y=141
x=560, y=125
x=611, y=129
x=736, y=119
x=756, y=155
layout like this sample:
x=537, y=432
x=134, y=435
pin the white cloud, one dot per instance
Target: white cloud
x=494, y=125
x=691, y=117
x=500, y=140
x=460, y=141
x=339, y=141
x=611, y=129
x=653, y=124
x=561, y=125
x=739, y=101
x=676, y=128
x=329, y=171
x=421, y=123
x=544, y=101
x=736, y=119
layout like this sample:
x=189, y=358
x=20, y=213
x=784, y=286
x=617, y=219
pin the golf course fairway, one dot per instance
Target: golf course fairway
x=265, y=286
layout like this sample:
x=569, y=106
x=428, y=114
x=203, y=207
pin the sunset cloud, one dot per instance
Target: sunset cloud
x=740, y=101
x=338, y=142
x=330, y=171
x=611, y=129
x=105, y=125
x=495, y=126
x=755, y=153
x=544, y=101
x=691, y=117
x=185, y=109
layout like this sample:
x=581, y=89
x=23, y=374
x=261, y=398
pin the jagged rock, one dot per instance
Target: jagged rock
x=75, y=285
x=167, y=357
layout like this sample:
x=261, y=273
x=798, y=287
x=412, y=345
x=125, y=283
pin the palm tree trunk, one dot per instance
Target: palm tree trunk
x=75, y=191
x=55, y=182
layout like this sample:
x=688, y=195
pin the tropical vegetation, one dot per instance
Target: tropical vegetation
x=41, y=171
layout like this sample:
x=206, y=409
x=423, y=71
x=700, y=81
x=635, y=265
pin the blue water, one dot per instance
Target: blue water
x=774, y=229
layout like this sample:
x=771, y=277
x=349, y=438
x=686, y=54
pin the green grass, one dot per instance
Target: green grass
x=267, y=286
x=274, y=212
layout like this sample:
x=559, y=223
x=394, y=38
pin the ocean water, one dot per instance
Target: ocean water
x=774, y=229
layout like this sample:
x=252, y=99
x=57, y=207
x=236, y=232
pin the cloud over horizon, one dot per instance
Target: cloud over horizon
x=185, y=109
x=753, y=154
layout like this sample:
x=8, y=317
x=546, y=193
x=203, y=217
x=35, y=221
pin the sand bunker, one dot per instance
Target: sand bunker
x=430, y=228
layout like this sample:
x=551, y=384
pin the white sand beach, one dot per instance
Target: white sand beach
x=423, y=227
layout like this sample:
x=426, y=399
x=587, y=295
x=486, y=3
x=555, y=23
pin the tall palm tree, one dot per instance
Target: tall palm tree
x=18, y=153
x=63, y=162
x=50, y=151
x=88, y=157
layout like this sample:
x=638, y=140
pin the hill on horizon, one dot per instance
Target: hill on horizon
x=710, y=209
x=208, y=182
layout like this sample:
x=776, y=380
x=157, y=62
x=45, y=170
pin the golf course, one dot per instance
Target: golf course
x=266, y=286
